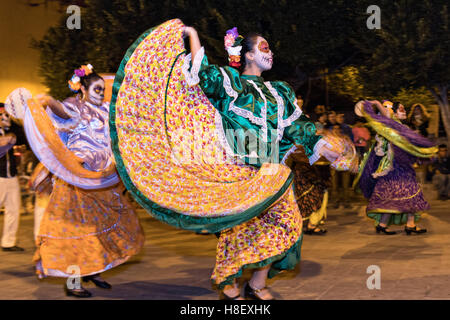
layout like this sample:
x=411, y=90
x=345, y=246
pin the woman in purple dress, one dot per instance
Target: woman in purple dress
x=386, y=175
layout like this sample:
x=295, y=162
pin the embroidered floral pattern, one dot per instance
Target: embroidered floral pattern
x=185, y=167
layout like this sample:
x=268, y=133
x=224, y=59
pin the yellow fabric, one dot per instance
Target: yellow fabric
x=320, y=214
x=91, y=229
x=270, y=234
x=185, y=167
x=394, y=137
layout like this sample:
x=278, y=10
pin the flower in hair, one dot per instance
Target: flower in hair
x=232, y=41
x=229, y=41
x=79, y=72
x=87, y=69
x=75, y=83
x=234, y=32
x=387, y=104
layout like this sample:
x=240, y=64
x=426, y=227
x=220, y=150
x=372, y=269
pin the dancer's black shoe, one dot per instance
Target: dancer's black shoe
x=99, y=283
x=14, y=248
x=383, y=230
x=78, y=293
x=251, y=293
x=224, y=296
x=315, y=231
x=409, y=230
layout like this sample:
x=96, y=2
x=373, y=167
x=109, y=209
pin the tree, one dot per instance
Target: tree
x=411, y=50
x=306, y=38
x=348, y=83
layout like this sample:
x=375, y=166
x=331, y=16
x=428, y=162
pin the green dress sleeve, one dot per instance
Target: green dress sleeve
x=301, y=130
x=214, y=80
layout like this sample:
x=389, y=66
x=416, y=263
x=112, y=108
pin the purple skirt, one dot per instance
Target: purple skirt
x=398, y=191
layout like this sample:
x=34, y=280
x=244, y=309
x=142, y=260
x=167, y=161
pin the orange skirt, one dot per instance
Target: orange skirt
x=89, y=231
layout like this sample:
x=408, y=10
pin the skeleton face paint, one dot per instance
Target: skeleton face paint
x=5, y=120
x=263, y=55
x=96, y=92
x=401, y=112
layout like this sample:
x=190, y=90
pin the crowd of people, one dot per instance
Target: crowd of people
x=341, y=193
x=88, y=162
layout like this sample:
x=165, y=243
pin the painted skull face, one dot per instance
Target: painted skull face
x=263, y=55
x=5, y=119
x=401, y=112
x=96, y=92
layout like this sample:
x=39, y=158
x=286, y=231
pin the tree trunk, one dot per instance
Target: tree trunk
x=442, y=100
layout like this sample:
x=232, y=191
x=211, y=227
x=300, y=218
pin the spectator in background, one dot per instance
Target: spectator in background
x=361, y=137
x=345, y=128
x=419, y=119
x=340, y=180
x=321, y=122
x=331, y=118
x=9, y=184
x=319, y=109
x=440, y=170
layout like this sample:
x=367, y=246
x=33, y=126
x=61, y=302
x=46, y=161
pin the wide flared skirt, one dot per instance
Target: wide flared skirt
x=272, y=238
x=398, y=193
x=310, y=185
x=168, y=148
x=86, y=231
x=167, y=142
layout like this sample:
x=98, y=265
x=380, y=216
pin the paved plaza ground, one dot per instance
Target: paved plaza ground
x=177, y=264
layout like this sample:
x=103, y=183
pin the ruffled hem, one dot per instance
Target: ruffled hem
x=285, y=261
x=395, y=219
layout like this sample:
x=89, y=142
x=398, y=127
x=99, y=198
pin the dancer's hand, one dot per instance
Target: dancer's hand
x=189, y=31
x=329, y=154
x=54, y=105
x=194, y=41
x=9, y=138
x=42, y=99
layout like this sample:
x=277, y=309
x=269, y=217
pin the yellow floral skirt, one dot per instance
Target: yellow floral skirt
x=270, y=238
x=188, y=179
x=86, y=231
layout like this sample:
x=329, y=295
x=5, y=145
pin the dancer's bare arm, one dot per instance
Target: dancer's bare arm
x=54, y=105
x=194, y=41
x=9, y=138
x=384, y=111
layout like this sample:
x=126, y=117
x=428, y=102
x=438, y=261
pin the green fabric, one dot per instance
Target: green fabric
x=396, y=218
x=362, y=165
x=171, y=217
x=386, y=161
x=236, y=126
x=285, y=261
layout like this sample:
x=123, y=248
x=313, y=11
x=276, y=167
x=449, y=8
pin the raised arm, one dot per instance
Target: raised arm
x=54, y=105
x=384, y=111
x=194, y=40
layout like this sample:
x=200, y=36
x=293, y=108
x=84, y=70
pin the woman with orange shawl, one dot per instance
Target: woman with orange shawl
x=88, y=226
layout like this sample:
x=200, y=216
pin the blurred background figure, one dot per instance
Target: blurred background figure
x=340, y=180
x=321, y=122
x=439, y=172
x=41, y=183
x=331, y=117
x=419, y=119
x=320, y=109
x=345, y=128
x=9, y=183
x=361, y=137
